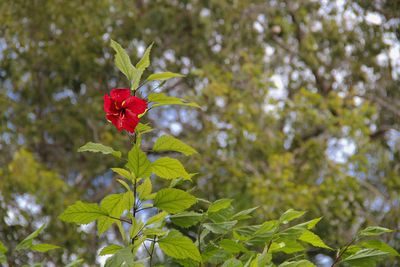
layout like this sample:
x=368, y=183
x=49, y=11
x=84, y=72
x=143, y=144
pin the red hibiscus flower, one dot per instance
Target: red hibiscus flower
x=123, y=109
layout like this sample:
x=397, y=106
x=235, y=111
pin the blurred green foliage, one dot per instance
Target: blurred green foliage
x=287, y=88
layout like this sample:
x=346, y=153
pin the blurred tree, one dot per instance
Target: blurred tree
x=300, y=103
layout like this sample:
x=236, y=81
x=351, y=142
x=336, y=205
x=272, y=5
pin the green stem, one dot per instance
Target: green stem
x=152, y=250
x=134, y=207
x=120, y=219
x=199, y=241
x=134, y=193
x=339, y=255
x=145, y=208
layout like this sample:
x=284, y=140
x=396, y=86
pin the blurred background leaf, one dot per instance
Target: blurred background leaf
x=300, y=108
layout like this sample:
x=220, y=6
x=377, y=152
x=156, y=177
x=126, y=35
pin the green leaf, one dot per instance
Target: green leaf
x=290, y=215
x=3, y=258
x=178, y=246
x=121, y=230
x=261, y=260
x=173, y=200
x=163, y=76
x=247, y=233
x=143, y=128
x=301, y=263
x=154, y=232
x=159, y=217
x=244, y=214
x=124, y=173
x=138, y=163
x=144, y=189
x=77, y=262
x=176, y=182
x=379, y=245
x=110, y=249
x=123, y=62
x=123, y=257
x=222, y=215
x=99, y=148
x=291, y=246
x=136, y=227
x=104, y=223
x=267, y=227
x=276, y=246
x=116, y=204
x=374, y=231
x=27, y=242
x=214, y=255
x=186, y=219
x=365, y=254
x=169, y=143
x=3, y=248
x=313, y=239
x=232, y=263
x=311, y=224
x=220, y=204
x=220, y=228
x=144, y=62
x=232, y=246
x=43, y=247
x=150, y=197
x=292, y=232
x=82, y=213
x=169, y=168
x=161, y=99
x=124, y=184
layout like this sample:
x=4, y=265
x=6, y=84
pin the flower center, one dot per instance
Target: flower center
x=122, y=112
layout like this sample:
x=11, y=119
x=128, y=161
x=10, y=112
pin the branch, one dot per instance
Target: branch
x=120, y=219
x=339, y=255
x=152, y=249
x=145, y=208
x=383, y=103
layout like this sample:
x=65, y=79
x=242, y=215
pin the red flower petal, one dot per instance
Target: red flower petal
x=115, y=120
x=129, y=121
x=120, y=94
x=107, y=104
x=135, y=105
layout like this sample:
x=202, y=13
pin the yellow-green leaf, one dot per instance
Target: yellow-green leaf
x=161, y=99
x=313, y=239
x=144, y=189
x=110, y=249
x=99, y=148
x=169, y=168
x=173, y=200
x=138, y=163
x=159, y=217
x=186, y=219
x=169, y=143
x=143, y=63
x=124, y=173
x=43, y=247
x=290, y=215
x=374, y=231
x=178, y=246
x=300, y=263
x=83, y=213
x=164, y=76
x=220, y=204
x=27, y=242
x=122, y=61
